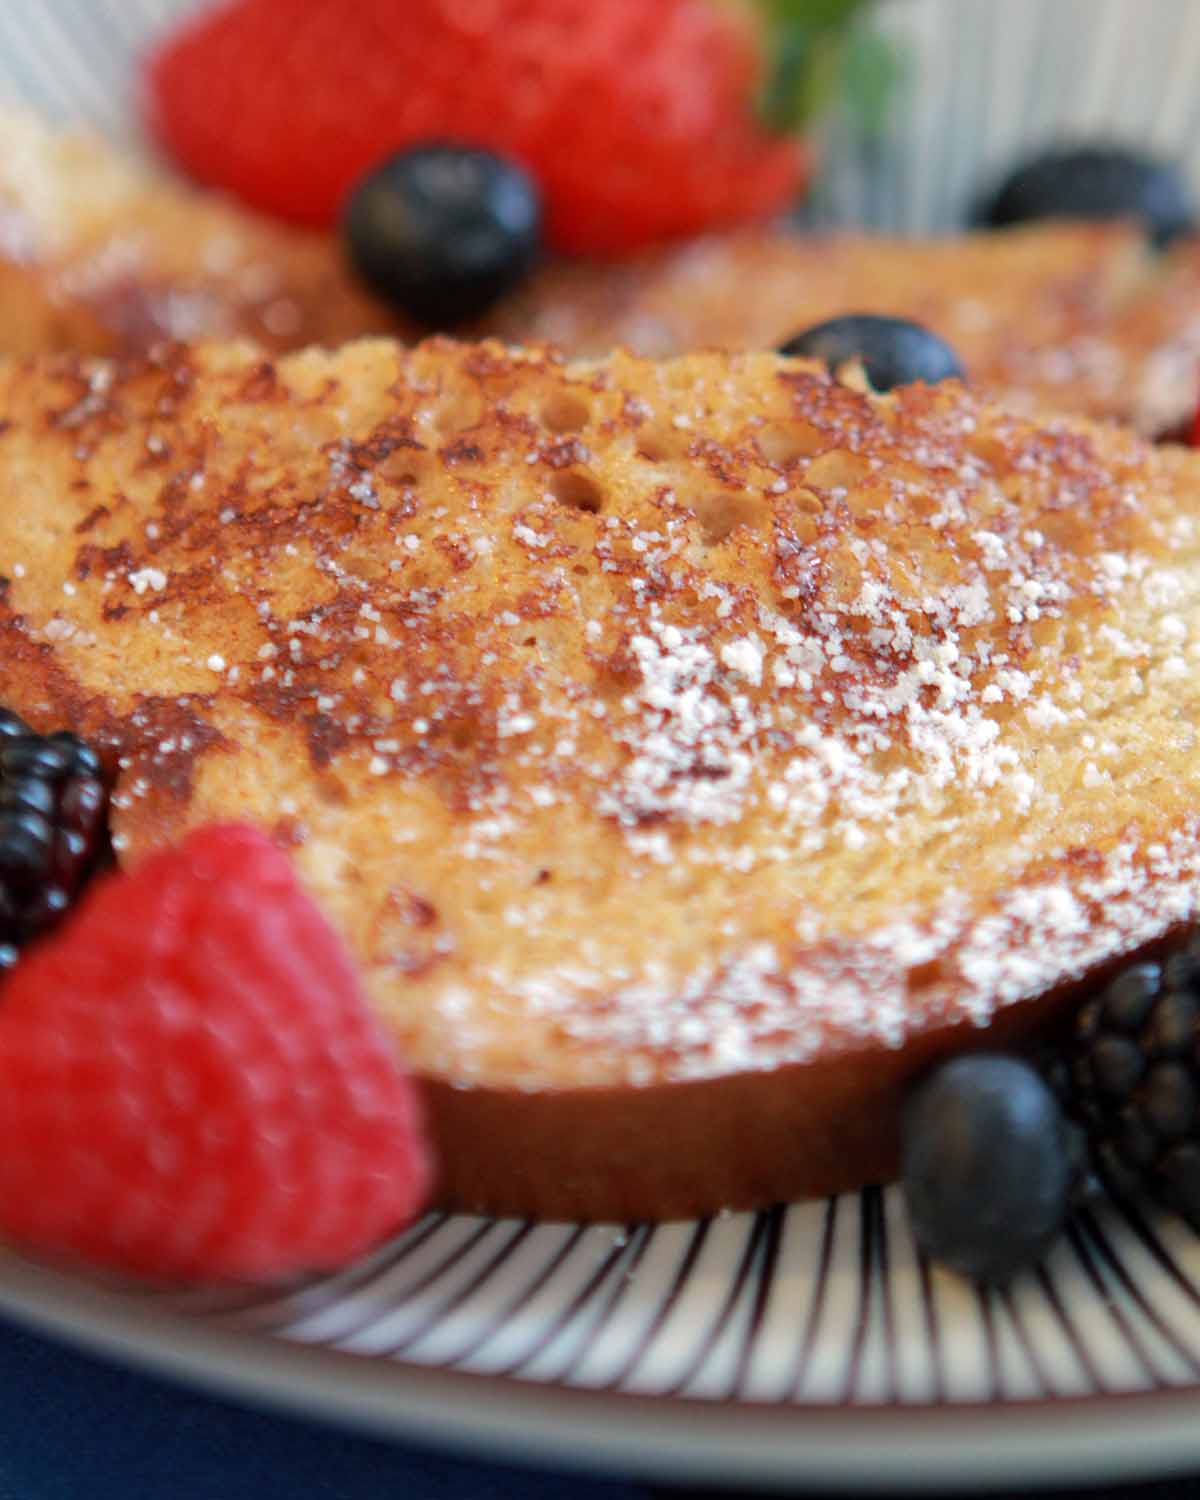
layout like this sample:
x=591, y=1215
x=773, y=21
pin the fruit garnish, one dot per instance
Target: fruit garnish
x=892, y=351
x=1133, y=1077
x=821, y=55
x=443, y=231
x=988, y=1166
x=1116, y=1106
x=1094, y=182
x=53, y=830
x=639, y=123
x=191, y=1085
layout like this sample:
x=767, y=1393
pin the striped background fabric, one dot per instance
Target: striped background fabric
x=990, y=79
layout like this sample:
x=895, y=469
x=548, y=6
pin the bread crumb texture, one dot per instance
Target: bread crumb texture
x=636, y=722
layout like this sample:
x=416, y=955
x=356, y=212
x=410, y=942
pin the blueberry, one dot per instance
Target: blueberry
x=1093, y=182
x=893, y=351
x=987, y=1165
x=443, y=231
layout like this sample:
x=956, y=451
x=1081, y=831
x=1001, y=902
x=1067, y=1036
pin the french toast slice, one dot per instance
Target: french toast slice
x=689, y=751
x=1031, y=311
x=100, y=251
x=1157, y=332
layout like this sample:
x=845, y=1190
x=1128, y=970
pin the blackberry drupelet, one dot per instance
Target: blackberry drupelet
x=53, y=828
x=1134, y=1079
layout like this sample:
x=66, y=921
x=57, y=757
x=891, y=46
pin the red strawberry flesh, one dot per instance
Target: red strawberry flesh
x=191, y=1084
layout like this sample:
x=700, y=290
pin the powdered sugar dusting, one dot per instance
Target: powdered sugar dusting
x=685, y=746
x=764, y=1008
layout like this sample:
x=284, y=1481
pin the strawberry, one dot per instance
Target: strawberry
x=190, y=1083
x=637, y=120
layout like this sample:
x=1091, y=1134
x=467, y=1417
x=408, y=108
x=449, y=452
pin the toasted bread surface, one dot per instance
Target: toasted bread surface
x=1048, y=317
x=102, y=251
x=687, y=750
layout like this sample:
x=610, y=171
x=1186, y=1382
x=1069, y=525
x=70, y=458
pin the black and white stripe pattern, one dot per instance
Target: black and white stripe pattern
x=827, y=1304
x=990, y=81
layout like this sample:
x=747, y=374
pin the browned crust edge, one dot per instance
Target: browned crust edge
x=680, y=1150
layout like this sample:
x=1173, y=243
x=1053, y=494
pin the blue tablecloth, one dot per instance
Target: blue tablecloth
x=77, y=1428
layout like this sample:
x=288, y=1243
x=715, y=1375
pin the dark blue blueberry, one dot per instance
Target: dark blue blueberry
x=443, y=231
x=893, y=351
x=988, y=1166
x=1093, y=182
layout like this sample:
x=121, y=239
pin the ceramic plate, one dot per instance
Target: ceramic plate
x=806, y=1345
x=810, y=1344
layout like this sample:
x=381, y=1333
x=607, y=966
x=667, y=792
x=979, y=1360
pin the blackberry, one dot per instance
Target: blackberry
x=1132, y=1078
x=53, y=828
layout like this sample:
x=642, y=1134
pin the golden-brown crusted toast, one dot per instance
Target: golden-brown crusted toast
x=1157, y=335
x=688, y=751
x=101, y=251
x=1036, y=313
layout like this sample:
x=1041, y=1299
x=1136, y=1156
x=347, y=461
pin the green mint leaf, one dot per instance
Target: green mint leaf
x=874, y=71
x=811, y=15
x=822, y=53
